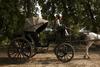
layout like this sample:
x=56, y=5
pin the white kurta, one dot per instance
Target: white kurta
x=33, y=23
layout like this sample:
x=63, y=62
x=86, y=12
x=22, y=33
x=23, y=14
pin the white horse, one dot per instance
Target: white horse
x=91, y=38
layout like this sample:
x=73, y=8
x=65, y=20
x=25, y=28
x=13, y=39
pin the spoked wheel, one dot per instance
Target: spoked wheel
x=19, y=50
x=64, y=52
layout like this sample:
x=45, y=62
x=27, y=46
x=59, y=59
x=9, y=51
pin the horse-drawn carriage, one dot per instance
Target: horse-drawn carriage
x=21, y=48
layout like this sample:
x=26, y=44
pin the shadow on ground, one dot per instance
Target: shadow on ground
x=45, y=61
x=7, y=61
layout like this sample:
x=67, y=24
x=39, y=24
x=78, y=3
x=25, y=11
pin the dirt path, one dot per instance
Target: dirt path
x=50, y=60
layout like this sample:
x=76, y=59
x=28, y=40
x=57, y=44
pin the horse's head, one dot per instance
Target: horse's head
x=84, y=31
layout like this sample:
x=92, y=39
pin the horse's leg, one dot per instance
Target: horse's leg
x=89, y=44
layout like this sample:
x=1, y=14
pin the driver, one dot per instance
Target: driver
x=58, y=25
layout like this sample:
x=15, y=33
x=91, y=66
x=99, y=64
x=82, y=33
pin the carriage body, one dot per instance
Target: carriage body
x=21, y=48
x=53, y=36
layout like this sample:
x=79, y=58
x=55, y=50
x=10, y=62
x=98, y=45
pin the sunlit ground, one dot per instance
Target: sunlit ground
x=50, y=60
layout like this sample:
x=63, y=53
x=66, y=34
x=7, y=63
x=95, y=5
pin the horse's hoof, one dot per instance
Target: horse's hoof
x=86, y=57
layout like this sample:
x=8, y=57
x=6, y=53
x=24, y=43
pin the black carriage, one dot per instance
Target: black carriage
x=21, y=48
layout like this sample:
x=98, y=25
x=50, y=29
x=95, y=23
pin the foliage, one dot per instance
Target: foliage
x=76, y=14
x=12, y=16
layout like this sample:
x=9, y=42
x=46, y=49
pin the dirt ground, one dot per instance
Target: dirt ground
x=50, y=60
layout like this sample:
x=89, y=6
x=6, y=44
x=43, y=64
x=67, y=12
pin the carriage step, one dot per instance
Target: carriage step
x=42, y=50
x=42, y=46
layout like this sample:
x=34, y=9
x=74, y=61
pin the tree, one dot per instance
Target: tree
x=76, y=13
x=12, y=16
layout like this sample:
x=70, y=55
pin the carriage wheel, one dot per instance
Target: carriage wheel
x=19, y=50
x=64, y=52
